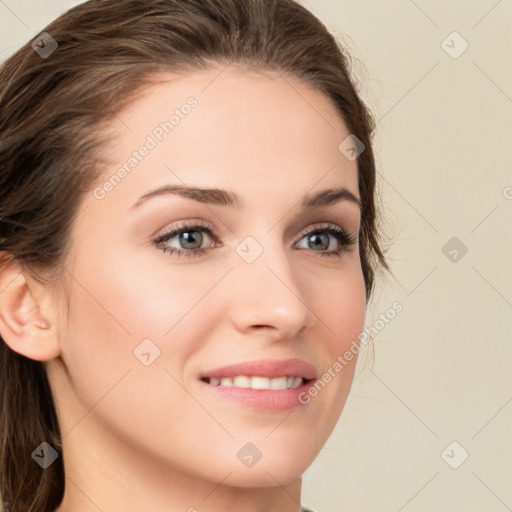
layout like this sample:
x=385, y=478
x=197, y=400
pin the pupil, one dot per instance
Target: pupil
x=187, y=238
x=323, y=245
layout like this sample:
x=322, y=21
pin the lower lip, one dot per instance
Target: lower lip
x=262, y=399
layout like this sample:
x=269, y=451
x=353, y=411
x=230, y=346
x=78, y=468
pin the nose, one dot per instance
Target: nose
x=269, y=298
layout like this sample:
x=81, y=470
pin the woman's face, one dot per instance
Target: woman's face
x=244, y=282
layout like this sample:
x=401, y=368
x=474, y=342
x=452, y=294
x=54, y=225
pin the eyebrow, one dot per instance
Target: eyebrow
x=219, y=197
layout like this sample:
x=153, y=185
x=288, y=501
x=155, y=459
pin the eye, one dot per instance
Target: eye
x=191, y=238
x=318, y=237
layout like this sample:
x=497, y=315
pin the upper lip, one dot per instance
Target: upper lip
x=265, y=368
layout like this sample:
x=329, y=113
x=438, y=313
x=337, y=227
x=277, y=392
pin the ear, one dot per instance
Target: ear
x=26, y=322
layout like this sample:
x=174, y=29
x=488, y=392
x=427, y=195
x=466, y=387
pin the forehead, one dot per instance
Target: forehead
x=241, y=128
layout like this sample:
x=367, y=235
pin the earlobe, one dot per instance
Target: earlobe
x=23, y=325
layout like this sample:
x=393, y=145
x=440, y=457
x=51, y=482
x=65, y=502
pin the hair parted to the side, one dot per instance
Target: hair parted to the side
x=51, y=110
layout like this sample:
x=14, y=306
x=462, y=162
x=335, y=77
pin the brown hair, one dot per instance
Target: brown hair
x=50, y=153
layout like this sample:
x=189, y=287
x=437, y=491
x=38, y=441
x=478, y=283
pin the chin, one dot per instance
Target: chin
x=275, y=467
x=263, y=476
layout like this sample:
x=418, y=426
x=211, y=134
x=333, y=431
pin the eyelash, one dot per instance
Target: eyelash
x=345, y=240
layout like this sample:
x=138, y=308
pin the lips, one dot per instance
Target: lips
x=259, y=384
x=264, y=368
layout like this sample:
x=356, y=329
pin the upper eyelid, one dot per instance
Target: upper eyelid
x=322, y=225
x=187, y=225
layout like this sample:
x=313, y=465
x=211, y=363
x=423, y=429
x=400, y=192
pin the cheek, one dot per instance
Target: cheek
x=340, y=306
x=113, y=308
x=339, y=302
x=118, y=301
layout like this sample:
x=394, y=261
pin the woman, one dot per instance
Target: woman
x=189, y=241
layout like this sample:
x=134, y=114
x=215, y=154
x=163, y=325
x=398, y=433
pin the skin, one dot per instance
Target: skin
x=139, y=437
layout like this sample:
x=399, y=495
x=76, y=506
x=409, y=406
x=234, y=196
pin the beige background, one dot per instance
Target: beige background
x=441, y=370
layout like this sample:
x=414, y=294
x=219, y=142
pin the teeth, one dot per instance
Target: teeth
x=260, y=383
x=278, y=383
x=243, y=381
x=297, y=382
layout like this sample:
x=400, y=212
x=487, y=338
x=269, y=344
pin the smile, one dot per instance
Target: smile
x=256, y=382
x=263, y=384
